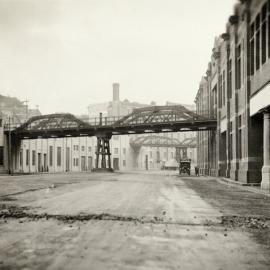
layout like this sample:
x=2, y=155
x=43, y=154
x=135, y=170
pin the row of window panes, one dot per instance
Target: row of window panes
x=58, y=158
x=116, y=151
x=158, y=154
x=76, y=148
x=258, y=39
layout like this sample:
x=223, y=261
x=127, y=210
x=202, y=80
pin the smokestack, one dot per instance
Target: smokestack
x=116, y=91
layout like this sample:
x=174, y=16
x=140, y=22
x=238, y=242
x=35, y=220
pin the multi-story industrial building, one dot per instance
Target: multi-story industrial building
x=236, y=88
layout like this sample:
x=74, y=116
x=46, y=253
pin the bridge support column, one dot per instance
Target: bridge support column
x=103, y=151
x=12, y=152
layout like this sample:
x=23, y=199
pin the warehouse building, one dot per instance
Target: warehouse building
x=236, y=89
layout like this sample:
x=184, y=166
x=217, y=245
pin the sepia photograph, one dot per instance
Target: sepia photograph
x=134, y=134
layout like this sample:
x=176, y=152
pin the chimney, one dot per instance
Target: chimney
x=116, y=91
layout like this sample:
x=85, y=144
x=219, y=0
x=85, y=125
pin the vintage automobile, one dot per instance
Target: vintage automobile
x=184, y=166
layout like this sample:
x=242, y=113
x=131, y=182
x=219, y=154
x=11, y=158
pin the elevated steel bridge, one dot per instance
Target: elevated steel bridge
x=154, y=119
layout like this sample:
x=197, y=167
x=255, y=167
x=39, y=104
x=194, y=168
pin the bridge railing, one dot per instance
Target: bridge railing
x=101, y=121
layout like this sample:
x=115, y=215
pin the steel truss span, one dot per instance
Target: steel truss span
x=155, y=119
x=161, y=141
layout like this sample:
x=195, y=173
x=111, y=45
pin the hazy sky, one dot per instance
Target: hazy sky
x=65, y=54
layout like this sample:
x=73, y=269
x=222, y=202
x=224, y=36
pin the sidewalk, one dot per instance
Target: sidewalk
x=243, y=186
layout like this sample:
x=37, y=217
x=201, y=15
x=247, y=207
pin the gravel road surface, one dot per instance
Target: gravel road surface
x=133, y=220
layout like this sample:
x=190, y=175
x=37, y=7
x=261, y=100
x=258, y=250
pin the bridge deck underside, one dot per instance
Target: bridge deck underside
x=199, y=125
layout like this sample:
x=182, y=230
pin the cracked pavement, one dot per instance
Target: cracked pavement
x=132, y=220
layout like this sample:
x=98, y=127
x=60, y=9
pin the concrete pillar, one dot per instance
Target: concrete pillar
x=266, y=151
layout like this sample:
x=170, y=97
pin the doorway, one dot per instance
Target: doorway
x=90, y=163
x=40, y=168
x=146, y=162
x=116, y=164
x=83, y=163
x=67, y=159
x=46, y=169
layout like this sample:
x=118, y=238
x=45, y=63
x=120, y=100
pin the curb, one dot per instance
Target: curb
x=244, y=186
x=240, y=183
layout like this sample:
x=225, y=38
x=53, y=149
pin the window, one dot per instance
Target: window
x=89, y=149
x=116, y=151
x=76, y=147
x=82, y=147
x=1, y=155
x=240, y=135
x=263, y=36
x=33, y=157
x=124, y=163
x=223, y=88
x=151, y=154
x=21, y=157
x=231, y=143
x=239, y=121
x=51, y=155
x=238, y=67
x=258, y=41
x=58, y=156
x=220, y=91
x=230, y=78
x=252, y=48
x=124, y=151
x=240, y=143
x=268, y=29
x=27, y=157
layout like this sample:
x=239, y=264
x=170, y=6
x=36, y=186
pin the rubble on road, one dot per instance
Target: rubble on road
x=8, y=211
x=245, y=221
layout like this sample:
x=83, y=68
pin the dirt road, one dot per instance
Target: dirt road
x=130, y=221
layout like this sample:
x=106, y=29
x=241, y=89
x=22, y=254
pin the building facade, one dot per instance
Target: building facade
x=236, y=88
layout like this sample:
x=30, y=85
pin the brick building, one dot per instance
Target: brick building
x=236, y=88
